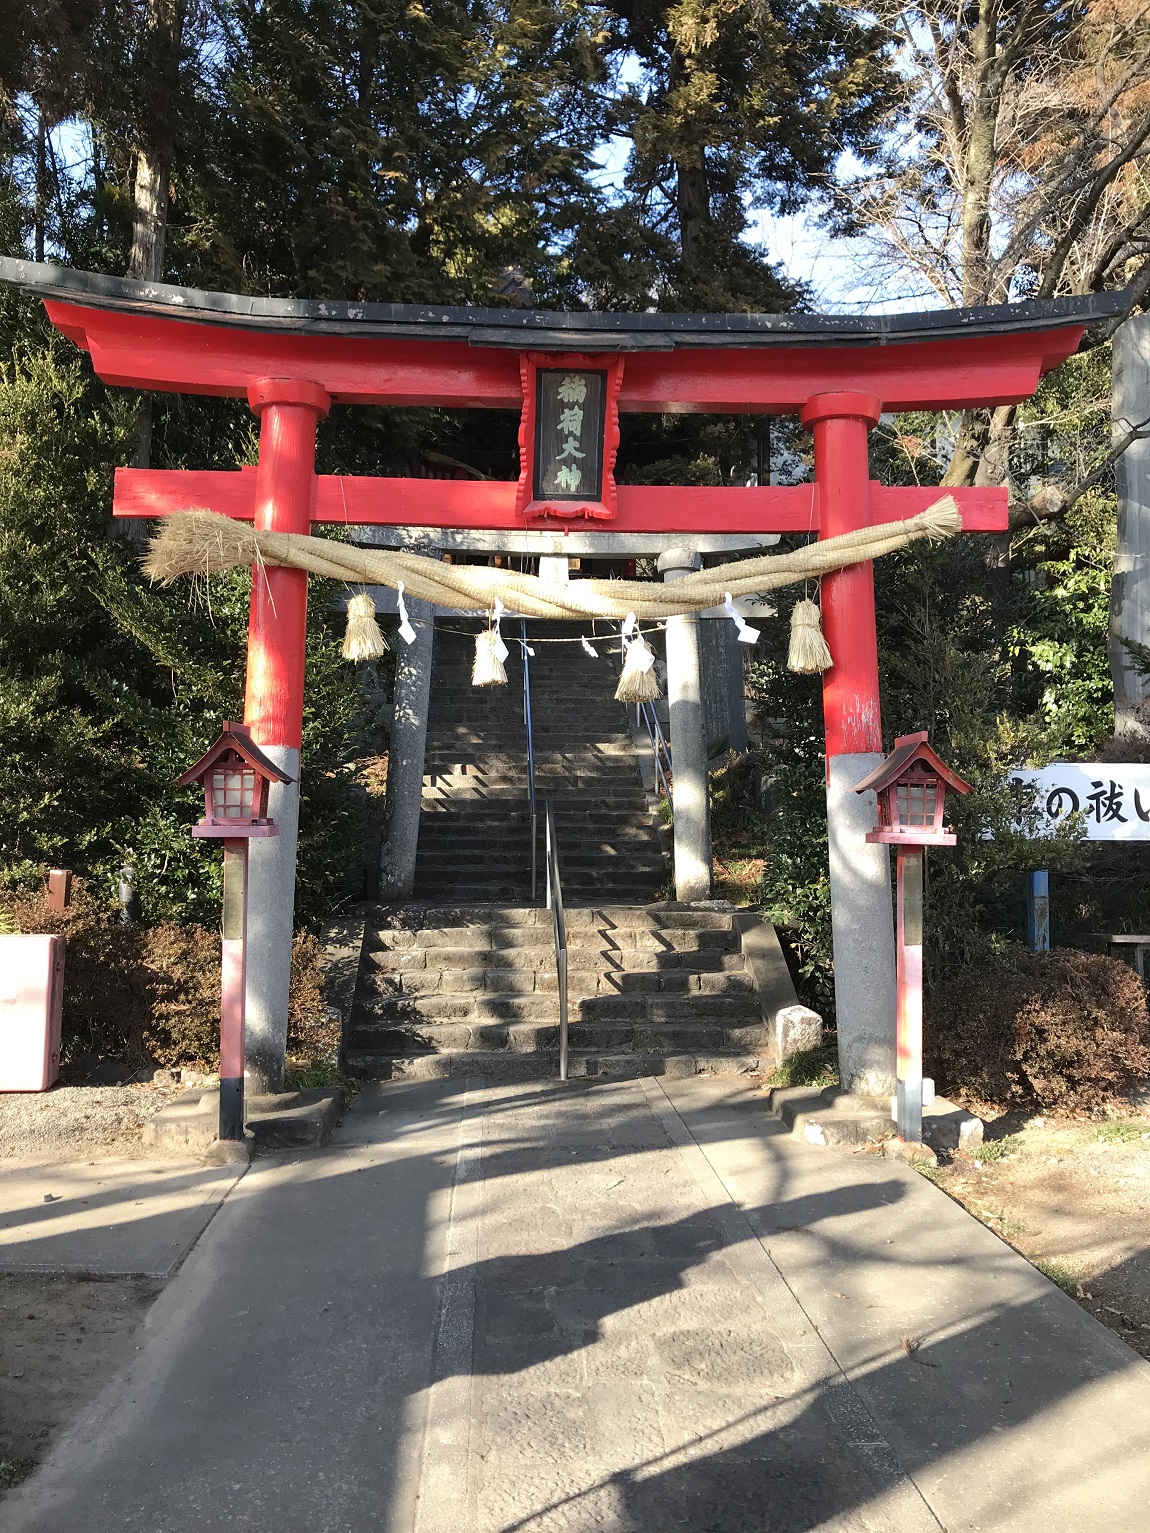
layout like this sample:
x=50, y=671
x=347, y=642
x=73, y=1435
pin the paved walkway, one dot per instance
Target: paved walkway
x=625, y=1308
x=105, y=1218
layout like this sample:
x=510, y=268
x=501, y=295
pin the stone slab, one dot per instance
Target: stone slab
x=1010, y=1407
x=343, y=943
x=623, y=1306
x=828, y=1116
x=542, y=542
x=284, y=1120
x=107, y=1217
x=793, y=1027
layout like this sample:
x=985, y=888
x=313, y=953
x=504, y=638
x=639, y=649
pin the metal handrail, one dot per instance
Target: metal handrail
x=660, y=750
x=530, y=757
x=559, y=927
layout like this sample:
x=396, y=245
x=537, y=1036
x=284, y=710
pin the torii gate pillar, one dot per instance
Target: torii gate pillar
x=861, y=921
x=289, y=412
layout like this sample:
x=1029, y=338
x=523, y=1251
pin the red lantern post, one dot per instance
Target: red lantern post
x=911, y=787
x=235, y=775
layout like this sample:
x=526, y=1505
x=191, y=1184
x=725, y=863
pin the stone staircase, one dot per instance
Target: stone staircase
x=661, y=988
x=474, y=836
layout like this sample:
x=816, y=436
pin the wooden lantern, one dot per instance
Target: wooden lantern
x=911, y=786
x=235, y=775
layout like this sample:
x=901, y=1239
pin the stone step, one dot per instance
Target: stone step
x=478, y=889
x=582, y=984
x=471, y=834
x=627, y=969
x=502, y=812
x=496, y=857
x=484, y=784
x=532, y=971
x=490, y=759
x=520, y=1036
x=569, y=797
x=505, y=1065
x=630, y=946
x=631, y=1009
x=606, y=916
x=512, y=733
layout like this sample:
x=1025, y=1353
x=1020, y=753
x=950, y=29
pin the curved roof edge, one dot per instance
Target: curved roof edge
x=549, y=330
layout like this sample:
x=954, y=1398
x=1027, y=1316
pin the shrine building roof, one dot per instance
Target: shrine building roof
x=518, y=329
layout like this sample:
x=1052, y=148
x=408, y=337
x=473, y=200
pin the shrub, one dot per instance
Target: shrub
x=105, y=1008
x=151, y=994
x=1061, y=1030
x=180, y=979
x=313, y=1029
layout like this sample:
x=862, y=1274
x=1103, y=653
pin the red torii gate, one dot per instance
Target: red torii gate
x=291, y=359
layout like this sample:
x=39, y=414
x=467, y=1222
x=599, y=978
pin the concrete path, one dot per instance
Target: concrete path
x=105, y=1218
x=623, y=1308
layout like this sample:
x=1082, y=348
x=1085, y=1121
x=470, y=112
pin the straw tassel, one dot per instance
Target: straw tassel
x=487, y=670
x=362, y=639
x=638, y=683
x=808, y=652
x=942, y=520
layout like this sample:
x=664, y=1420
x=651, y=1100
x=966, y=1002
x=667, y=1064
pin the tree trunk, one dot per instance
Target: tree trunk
x=977, y=179
x=146, y=263
x=694, y=209
x=41, y=212
x=149, y=215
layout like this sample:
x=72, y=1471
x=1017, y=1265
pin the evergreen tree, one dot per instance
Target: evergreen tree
x=738, y=105
x=427, y=152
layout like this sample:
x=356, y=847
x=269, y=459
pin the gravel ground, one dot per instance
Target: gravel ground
x=78, y=1122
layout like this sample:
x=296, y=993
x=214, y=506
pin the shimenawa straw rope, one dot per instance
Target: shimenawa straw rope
x=200, y=542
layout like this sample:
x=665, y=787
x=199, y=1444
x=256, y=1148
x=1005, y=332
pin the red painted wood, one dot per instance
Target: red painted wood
x=277, y=625
x=184, y=356
x=232, y=975
x=984, y=508
x=484, y=503
x=851, y=713
x=908, y=965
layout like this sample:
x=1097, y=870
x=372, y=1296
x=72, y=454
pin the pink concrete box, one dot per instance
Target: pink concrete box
x=31, y=998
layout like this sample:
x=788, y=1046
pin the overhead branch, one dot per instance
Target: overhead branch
x=1050, y=502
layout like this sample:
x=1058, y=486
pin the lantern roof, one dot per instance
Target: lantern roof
x=907, y=750
x=238, y=738
x=550, y=330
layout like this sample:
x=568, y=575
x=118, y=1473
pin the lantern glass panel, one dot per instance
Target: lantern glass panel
x=235, y=793
x=916, y=803
x=570, y=408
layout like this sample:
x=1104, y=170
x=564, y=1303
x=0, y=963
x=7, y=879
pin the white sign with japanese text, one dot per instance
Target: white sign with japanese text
x=1113, y=797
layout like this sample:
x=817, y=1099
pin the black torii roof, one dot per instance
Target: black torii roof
x=550, y=330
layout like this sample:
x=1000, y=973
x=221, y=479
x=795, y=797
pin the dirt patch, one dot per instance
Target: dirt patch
x=1074, y=1198
x=79, y=1122
x=61, y=1340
